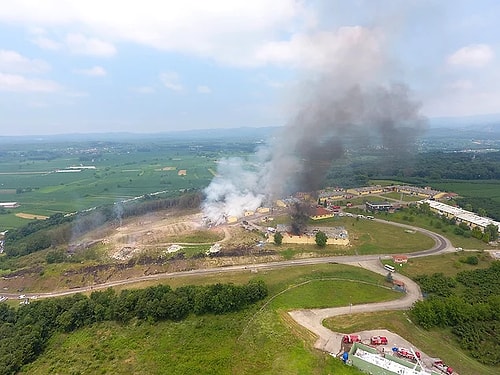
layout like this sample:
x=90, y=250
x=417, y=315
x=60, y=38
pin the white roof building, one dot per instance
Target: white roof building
x=461, y=215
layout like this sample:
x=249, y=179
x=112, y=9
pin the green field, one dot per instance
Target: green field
x=434, y=224
x=435, y=342
x=477, y=189
x=259, y=340
x=122, y=171
x=370, y=237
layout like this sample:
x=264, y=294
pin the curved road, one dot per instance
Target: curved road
x=442, y=244
x=330, y=341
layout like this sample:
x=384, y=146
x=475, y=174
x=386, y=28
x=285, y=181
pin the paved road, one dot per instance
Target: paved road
x=330, y=341
x=442, y=245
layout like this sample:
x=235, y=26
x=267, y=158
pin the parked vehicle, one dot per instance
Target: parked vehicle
x=441, y=366
x=389, y=268
x=408, y=354
x=348, y=339
x=378, y=340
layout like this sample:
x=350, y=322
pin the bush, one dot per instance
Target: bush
x=55, y=256
x=472, y=260
x=278, y=238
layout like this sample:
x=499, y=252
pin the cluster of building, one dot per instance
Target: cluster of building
x=425, y=192
x=248, y=214
x=340, y=193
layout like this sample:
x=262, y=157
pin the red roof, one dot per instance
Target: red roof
x=400, y=258
x=321, y=211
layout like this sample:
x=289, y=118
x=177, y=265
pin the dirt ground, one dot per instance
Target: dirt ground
x=25, y=215
x=148, y=236
x=137, y=235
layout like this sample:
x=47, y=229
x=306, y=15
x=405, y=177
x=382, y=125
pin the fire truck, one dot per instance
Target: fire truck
x=378, y=340
x=441, y=366
x=408, y=354
x=349, y=339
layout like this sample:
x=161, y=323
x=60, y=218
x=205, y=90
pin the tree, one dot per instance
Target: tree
x=486, y=237
x=493, y=231
x=477, y=233
x=321, y=239
x=278, y=238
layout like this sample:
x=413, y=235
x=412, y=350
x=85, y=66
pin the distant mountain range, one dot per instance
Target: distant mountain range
x=482, y=126
x=485, y=121
x=224, y=133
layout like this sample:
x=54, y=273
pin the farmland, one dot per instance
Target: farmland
x=37, y=177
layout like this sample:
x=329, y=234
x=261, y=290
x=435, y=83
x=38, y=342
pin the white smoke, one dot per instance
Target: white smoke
x=236, y=188
x=346, y=99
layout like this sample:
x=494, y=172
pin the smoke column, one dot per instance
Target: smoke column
x=343, y=102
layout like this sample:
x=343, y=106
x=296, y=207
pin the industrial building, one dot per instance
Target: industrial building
x=371, y=361
x=379, y=206
x=460, y=215
x=425, y=192
x=9, y=204
x=321, y=213
x=367, y=190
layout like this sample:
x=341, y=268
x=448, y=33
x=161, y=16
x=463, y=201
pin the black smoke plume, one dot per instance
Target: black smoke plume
x=299, y=218
x=347, y=105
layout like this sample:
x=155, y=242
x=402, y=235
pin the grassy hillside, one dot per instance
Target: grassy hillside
x=259, y=340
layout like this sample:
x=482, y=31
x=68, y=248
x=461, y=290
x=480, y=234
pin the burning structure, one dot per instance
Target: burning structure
x=346, y=104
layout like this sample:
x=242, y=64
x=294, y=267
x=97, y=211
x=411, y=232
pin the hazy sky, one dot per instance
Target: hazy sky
x=158, y=65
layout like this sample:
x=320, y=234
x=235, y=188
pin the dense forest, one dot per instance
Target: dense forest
x=422, y=168
x=24, y=332
x=469, y=305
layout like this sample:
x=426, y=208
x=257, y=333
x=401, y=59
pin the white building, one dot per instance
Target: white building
x=461, y=215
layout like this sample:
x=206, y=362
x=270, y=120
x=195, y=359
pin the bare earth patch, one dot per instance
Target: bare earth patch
x=24, y=215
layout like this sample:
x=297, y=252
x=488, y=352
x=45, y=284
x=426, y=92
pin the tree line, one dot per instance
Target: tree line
x=59, y=229
x=469, y=304
x=423, y=168
x=24, y=333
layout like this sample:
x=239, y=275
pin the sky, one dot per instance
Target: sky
x=87, y=66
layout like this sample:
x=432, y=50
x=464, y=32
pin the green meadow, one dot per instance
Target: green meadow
x=122, y=171
x=477, y=189
x=259, y=340
x=262, y=339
